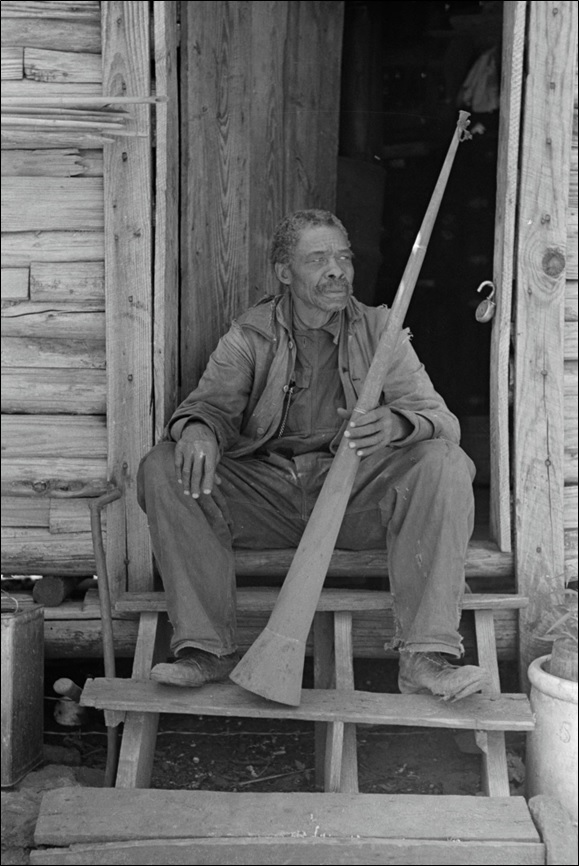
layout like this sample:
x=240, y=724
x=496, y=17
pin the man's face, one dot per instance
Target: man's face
x=320, y=273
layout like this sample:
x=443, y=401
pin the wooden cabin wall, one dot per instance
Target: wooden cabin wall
x=571, y=362
x=54, y=438
x=260, y=86
x=545, y=465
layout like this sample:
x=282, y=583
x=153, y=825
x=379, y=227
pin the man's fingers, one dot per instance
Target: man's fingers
x=197, y=474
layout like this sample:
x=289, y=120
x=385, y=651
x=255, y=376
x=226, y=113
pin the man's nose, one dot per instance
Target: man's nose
x=334, y=268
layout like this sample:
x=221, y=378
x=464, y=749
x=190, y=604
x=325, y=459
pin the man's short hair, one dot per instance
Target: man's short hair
x=287, y=233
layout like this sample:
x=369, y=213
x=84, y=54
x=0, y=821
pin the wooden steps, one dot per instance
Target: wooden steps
x=206, y=827
x=506, y=712
x=262, y=599
x=333, y=704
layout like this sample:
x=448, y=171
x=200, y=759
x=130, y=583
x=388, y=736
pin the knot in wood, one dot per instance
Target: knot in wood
x=553, y=262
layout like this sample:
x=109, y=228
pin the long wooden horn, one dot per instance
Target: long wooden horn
x=273, y=665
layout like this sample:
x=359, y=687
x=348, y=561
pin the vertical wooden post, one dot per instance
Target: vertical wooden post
x=539, y=392
x=128, y=289
x=503, y=263
x=166, y=278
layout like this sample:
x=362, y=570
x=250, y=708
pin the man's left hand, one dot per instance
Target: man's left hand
x=375, y=429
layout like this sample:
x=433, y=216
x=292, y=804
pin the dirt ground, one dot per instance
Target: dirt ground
x=211, y=753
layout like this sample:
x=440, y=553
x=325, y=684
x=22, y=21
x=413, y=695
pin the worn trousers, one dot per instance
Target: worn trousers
x=417, y=501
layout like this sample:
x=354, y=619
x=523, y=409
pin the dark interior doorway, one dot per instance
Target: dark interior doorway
x=407, y=69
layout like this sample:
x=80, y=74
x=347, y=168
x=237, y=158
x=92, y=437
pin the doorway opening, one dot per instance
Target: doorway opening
x=407, y=69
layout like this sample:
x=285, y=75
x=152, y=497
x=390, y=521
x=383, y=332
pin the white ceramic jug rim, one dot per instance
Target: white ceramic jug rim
x=556, y=687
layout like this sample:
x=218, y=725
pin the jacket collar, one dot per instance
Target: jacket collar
x=262, y=317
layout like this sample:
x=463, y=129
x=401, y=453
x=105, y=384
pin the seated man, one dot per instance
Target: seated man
x=252, y=444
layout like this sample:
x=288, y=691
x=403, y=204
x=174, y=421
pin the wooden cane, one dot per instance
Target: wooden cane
x=273, y=665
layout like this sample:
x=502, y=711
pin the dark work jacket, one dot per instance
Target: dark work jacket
x=241, y=393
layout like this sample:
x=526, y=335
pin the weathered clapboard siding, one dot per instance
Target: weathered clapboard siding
x=54, y=436
x=38, y=391
x=41, y=552
x=53, y=476
x=82, y=281
x=49, y=203
x=15, y=284
x=20, y=249
x=75, y=353
x=24, y=511
x=57, y=35
x=54, y=442
x=55, y=162
x=79, y=10
x=62, y=66
x=52, y=319
x=12, y=63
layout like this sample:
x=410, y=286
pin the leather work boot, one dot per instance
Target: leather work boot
x=194, y=668
x=431, y=672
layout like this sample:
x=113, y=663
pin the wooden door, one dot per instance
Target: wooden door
x=260, y=93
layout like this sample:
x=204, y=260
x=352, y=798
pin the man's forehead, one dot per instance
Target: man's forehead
x=321, y=238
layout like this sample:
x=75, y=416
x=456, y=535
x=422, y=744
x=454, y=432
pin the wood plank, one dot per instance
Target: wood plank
x=558, y=833
x=136, y=755
x=312, y=108
x=15, y=284
x=503, y=268
x=268, y=133
x=173, y=814
x=54, y=436
x=262, y=599
x=39, y=552
x=572, y=248
x=542, y=230
x=16, y=139
x=66, y=639
x=510, y=712
x=54, y=391
x=51, y=203
x=58, y=35
x=492, y=743
x=59, y=352
x=571, y=341
x=20, y=249
x=62, y=66
x=67, y=281
x=23, y=511
x=344, y=661
x=53, y=320
x=88, y=9
x=570, y=498
x=53, y=476
x=128, y=288
x=27, y=87
x=317, y=852
x=69, y=516
x=216, y=40
x=166, y=279
x=12, y=63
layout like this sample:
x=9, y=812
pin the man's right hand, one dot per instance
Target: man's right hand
x=196, y=458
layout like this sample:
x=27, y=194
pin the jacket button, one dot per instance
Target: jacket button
x=260, y=431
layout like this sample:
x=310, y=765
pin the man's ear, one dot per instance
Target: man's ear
x=283, y=273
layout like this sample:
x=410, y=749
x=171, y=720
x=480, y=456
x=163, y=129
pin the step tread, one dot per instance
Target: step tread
x=174, y=814
x=262, y=599
x=506, y=712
